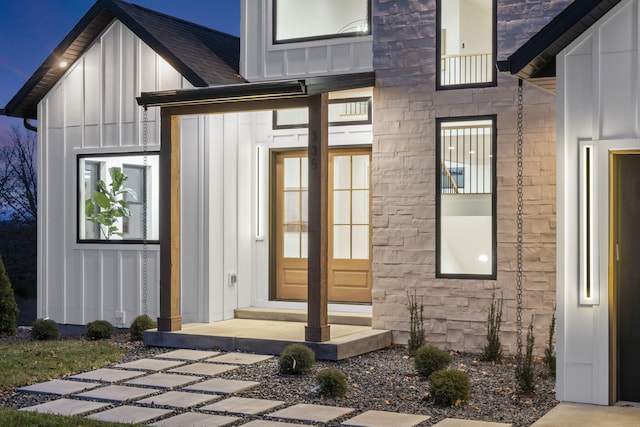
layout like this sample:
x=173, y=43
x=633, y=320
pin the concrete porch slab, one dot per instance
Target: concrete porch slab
x=221, y=385
x=239, y=358
x=107, y=375
x=59, y=387
x=67, y=407
x=271, y=337
x=129, y=414
x=385, y=419
x=309, y=412
x=186, y=354
x=207, y=369
x=455, y=422
x=580, y=415
x=164, y=380
x=292, y=315
x=193, y=419
x=179, y=399
x=242, y=405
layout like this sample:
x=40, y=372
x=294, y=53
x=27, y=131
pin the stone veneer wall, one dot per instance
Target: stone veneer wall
x=405, y=108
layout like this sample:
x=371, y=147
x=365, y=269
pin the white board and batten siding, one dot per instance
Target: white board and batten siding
x=92, y=110
x=598, y=95
x=262, y=60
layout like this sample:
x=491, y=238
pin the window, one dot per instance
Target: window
x=101, y=216
x=342, y=112
x=465, y=199
x=466, y=43
x=301, y=20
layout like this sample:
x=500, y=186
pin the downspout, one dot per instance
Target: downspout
x=27, y=124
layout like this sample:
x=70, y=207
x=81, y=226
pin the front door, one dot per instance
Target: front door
x=626, y=274
x=349, y=275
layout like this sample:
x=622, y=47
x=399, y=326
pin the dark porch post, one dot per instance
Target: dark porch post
x=170, y=319
x=317, y=329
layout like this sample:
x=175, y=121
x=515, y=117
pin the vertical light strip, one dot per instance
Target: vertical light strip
x=588, y=237
x=258, y=170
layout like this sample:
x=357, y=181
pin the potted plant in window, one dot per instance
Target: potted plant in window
x=107, y=205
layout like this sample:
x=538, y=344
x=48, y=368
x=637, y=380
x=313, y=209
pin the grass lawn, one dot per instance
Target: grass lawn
x=26, y=363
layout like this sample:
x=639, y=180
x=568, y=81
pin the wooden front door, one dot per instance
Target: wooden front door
x=349, y=275
x=626, y=274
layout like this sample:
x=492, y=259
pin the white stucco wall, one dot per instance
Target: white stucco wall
x=92, y=110
x=261, y=60
x=598, y=101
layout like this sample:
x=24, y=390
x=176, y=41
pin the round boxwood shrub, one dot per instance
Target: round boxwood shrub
x=429, y=359
x=332, y=382
x=139, y=325
x=296, y=359
x=449, y=387
x=99, y=330
x=44, y=330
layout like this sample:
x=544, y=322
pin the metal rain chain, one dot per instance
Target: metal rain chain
x=145, y=254
x=519, y=225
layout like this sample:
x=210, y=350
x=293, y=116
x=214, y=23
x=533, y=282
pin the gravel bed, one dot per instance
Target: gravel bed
x=384, y=380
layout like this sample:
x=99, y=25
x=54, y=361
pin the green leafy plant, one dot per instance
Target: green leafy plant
x=139, y=325
x=416, y=324
x=107, y=205
x=296, y=359
x=332, y=382
x=525, y=372
x=429, y=359
x=492, y=352
x=549, y=351
x=99, y=330
x=45, y=330
x=450, y=387
x=8, y=306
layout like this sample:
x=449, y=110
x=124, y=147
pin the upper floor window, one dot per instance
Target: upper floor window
x=301, y=20
x=118, y=197
x=342, y=112
x=466, y=197
x=466, y=43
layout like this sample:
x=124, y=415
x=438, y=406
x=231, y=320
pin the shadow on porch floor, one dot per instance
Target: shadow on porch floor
x=266, y=336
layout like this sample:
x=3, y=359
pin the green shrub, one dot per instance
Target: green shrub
x=549, y=351
x=429, y=359
x=332, y=382
x=450, y=387
x=99, y=330
x=139, y=325
x=296, y=359
x=493, y=350
x=416, y=323
x=8, y=306
x=45, y=330
x=525, y=371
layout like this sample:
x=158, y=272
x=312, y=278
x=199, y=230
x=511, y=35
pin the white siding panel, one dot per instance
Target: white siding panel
x=130, y=283
x=168, y=78
x=296, y=62
x=579, y=110
x=92, y=283
x=91, y=136
x=230, y=205
x=362, y=56
x=73, y=92
x=274, y=65
x=246, y=209
x=216, y=216
x=110, y=287
x=317, y=59
x=55, y=108
x=615, y=34
x=129, y=59
x=618, y=94
x=341, y=57
x=92, y=85
x=110, y=135
x=111, y=77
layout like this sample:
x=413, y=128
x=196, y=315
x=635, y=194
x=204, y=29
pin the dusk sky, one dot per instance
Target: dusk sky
x=31, y=29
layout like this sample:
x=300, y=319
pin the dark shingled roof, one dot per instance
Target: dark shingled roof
x=535, y=61
x=204, y=57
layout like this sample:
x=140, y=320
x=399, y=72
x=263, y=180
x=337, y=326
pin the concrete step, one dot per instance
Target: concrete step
x=286, y=315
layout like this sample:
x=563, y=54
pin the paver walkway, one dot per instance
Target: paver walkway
x=179, y=388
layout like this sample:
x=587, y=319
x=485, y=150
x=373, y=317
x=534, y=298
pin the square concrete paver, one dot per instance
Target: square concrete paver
x=203, y=369
x=184, y=354
x=193, y=419
x=60, y=387
x=118, y=393
x=129, y=414
x=107, y=375
x=307, y=412
x=150, y=364
x=456, y=422
x=161, y=380
x=66, y=407
x=242, y=405
x=265, y=423
x=240, y=358
x=221, y=385
x=179, y=399
x=385, y=419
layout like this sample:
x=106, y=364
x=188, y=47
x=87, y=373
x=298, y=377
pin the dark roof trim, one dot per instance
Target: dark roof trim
x=256, y=91
x=536, y=58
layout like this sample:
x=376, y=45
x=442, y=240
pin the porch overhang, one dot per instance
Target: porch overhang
x=312, y=92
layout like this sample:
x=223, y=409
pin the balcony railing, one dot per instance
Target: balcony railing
x=466, y=160
x=466, y=69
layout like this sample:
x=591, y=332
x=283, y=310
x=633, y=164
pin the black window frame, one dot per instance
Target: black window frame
x=274, y=23
x=494, y=72
x=494, y=197
x=80, y=202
